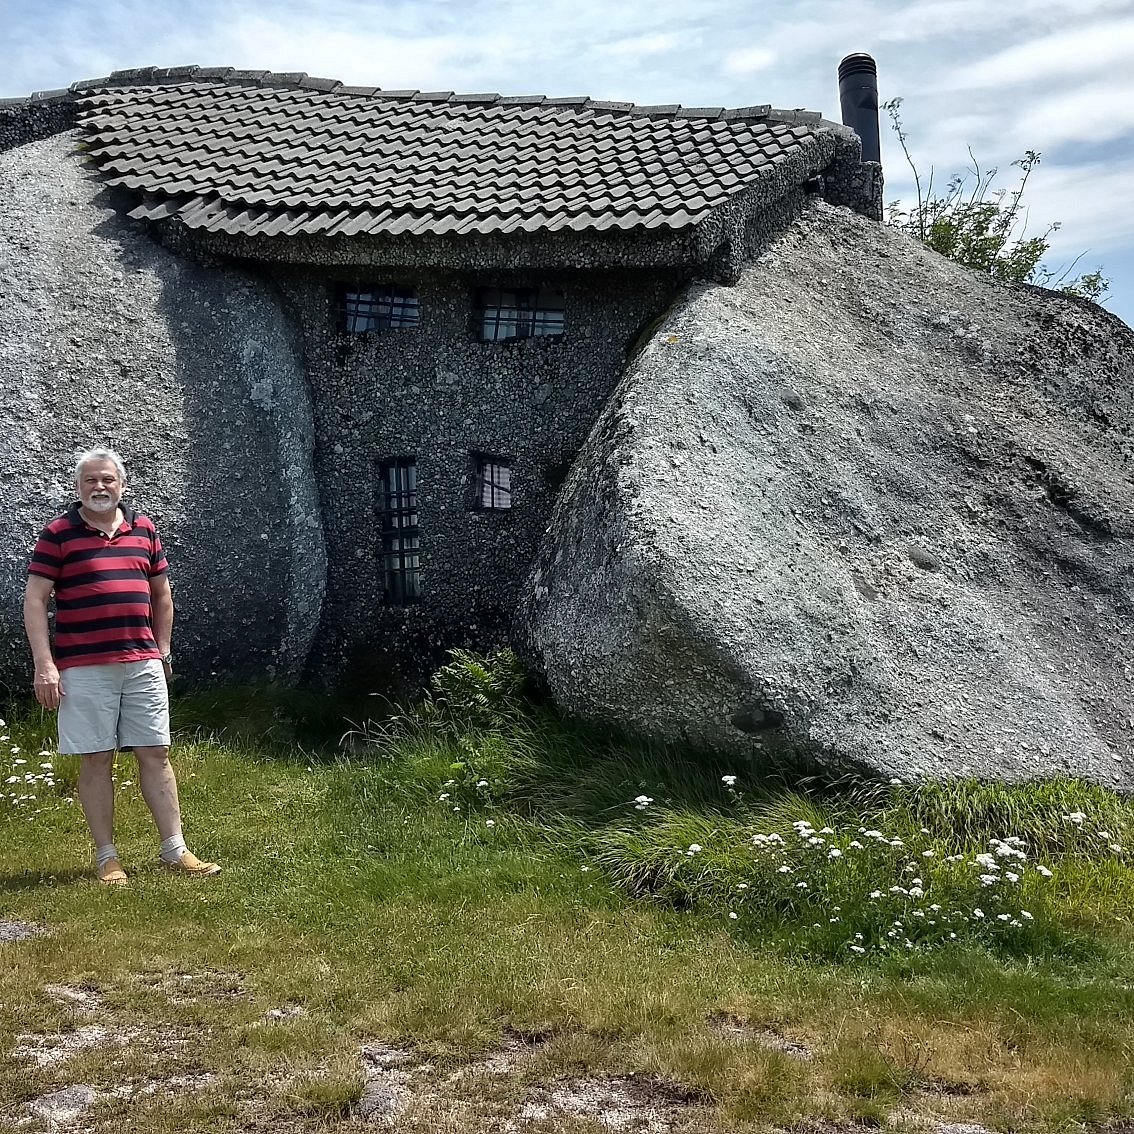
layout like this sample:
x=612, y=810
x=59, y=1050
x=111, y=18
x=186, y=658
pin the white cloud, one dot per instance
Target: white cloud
x=1101, y=112
x=641, y=46
x=748, y=61
x=1079, y=51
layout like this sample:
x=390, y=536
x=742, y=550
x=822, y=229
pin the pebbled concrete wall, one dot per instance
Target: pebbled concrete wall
x=437, y=393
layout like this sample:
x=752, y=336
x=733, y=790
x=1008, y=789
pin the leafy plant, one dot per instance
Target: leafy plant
x=982, y=227
x=479, y=693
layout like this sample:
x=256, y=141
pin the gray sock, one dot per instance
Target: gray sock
x=173, y=848
x=105, y=853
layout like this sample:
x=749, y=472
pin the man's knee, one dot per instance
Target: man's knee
x=95, y=765
x=150, y=755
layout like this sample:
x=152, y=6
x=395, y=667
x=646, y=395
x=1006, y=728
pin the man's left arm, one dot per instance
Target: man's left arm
x=161, y=605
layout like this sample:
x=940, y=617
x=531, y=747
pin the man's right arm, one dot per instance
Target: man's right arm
x=36, y=597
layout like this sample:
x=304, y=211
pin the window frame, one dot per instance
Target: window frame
x=527, y=313
x=387, y=308
x=482, y=461
x=399, y=526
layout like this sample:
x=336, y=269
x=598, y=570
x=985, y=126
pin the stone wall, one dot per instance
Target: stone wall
x=436, y=393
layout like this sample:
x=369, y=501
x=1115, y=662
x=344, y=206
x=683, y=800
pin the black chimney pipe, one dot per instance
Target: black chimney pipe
x=858, y=99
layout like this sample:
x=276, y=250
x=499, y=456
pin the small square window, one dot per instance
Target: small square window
x=507, y=314
x=493, y=483
x=401, y=551
x=376, y=307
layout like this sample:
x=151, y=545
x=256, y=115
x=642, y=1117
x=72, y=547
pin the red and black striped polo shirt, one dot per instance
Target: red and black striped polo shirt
x=102, y=587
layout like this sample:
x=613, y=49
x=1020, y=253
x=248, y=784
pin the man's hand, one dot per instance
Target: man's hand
x=46, y=685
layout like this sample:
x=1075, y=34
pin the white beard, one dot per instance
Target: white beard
x=101, y=504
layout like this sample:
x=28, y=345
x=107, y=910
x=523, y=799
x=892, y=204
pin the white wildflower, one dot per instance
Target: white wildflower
x=834, y=852
x=728, y=780
x=1043, y=870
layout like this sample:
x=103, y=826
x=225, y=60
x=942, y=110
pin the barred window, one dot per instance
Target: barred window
x=401, y=553
x=506, y=314
x=376, y=307
x=493, y=483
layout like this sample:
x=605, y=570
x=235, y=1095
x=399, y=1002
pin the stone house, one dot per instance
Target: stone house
x=467, y=277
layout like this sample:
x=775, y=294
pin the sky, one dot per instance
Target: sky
x=985, y=76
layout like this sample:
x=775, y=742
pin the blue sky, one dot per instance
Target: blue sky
x=999, y=78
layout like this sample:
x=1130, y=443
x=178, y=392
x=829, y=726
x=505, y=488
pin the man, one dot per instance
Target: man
x=109, y=675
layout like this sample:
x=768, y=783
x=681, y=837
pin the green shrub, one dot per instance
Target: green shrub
x=981, y=227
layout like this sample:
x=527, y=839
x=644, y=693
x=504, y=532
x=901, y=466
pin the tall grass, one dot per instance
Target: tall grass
x=474, y=868
x=843, y=869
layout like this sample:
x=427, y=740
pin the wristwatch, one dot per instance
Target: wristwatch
x=168, y=659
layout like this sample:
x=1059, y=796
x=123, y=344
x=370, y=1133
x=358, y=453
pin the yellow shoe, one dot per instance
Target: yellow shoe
x=190, y=864
x=110, y=873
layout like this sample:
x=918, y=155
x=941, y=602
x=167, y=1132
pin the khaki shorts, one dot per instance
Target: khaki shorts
x=104, y=707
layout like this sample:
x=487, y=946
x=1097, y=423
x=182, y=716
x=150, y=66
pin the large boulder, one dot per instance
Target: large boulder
x=865, y=505
x=195, y=376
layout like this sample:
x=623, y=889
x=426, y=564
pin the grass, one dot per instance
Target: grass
x=475, y=882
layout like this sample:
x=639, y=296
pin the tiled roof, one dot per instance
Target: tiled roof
x=255, y=153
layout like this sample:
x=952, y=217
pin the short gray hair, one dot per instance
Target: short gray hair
x=100, y=455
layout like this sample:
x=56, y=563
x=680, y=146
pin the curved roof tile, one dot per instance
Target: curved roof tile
x=251, y=152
